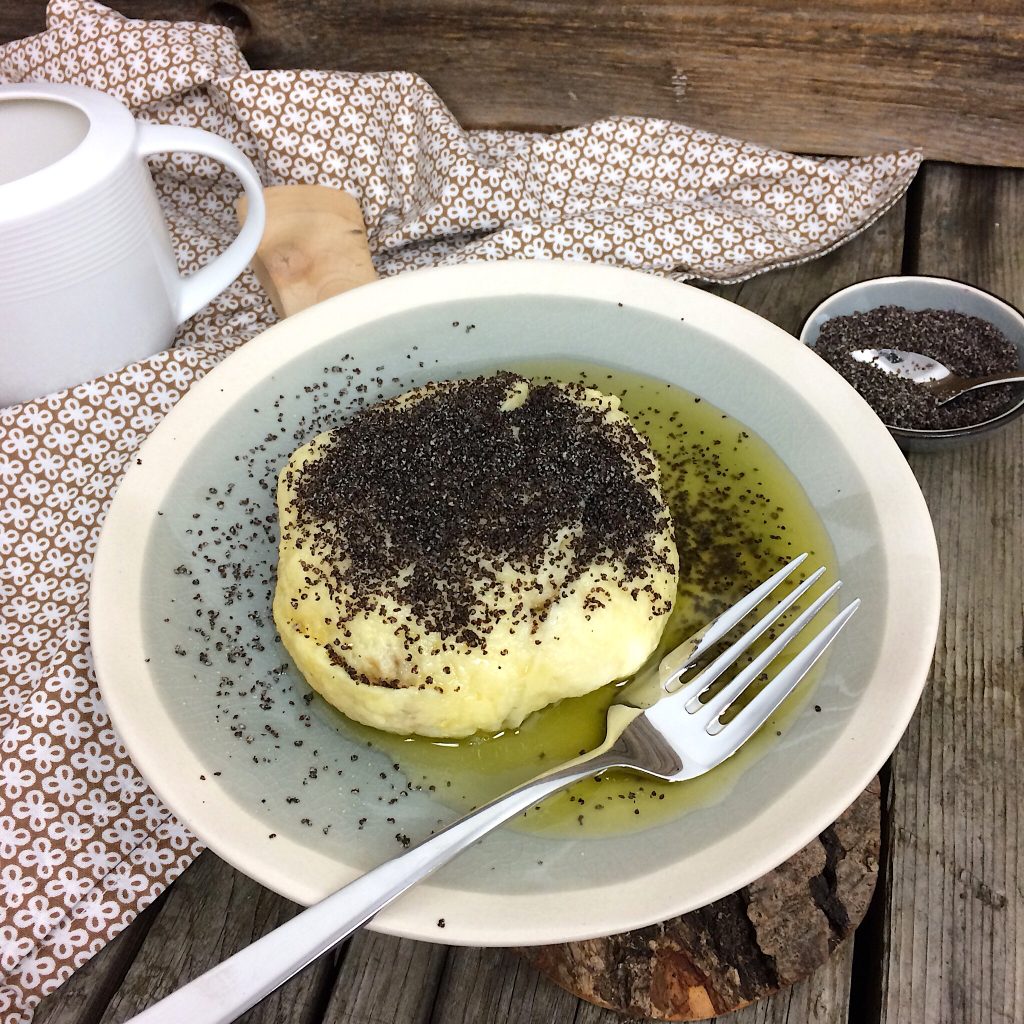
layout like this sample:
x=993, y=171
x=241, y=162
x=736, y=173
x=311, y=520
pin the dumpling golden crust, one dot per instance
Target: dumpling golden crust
x=460, y=556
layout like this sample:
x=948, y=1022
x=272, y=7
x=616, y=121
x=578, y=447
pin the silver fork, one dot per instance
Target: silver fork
x=658, y=725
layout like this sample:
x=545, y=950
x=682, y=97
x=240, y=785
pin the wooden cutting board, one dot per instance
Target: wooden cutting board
x=314, y=246
x=738, y=949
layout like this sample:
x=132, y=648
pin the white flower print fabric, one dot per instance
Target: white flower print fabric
x=84, y=844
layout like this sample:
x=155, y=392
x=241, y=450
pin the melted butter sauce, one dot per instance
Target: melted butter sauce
x=739, y=514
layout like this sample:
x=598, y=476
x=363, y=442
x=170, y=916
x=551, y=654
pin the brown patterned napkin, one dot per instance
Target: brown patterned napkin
x=84, y=845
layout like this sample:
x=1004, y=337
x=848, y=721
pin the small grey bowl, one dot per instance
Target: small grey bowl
x=927, y=293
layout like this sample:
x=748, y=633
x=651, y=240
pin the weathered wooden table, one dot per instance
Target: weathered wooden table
x=941, y=941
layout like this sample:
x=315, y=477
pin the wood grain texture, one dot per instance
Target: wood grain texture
x=313, y=247
x=853, y=77
x=210, y=913
x=954, y=908
x=496, y=985
x=386, y=979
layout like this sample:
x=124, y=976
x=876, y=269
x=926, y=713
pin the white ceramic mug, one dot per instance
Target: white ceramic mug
x=88, y=280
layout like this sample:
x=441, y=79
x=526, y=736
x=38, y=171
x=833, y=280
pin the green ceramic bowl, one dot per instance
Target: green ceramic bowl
x=216, y=718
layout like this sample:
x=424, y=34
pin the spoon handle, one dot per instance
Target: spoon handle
x=953, y=387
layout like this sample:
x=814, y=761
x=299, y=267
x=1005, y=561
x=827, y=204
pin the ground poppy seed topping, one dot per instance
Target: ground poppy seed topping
x=967, y=345
x=416, y=498
x=463, y=538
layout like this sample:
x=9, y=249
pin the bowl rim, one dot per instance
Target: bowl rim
x=917, y=433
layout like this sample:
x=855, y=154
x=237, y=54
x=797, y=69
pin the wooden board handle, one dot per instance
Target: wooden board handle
x=314, y=246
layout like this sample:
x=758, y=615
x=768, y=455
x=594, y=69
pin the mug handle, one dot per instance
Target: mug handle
x=209, y=281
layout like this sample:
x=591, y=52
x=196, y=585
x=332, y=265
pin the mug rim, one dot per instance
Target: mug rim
x=108, y=138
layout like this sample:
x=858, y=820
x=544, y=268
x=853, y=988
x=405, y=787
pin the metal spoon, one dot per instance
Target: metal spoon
x=940, y=381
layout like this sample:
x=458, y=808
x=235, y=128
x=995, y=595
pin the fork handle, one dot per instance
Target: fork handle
x=241, y=981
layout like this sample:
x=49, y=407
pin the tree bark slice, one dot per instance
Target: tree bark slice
x=741, y=948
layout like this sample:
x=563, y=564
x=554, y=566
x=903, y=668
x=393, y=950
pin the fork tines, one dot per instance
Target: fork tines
x=746, y=721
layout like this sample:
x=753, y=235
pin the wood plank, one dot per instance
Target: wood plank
x=383, y=978
x=498, y=985
x=854, y=77
x=211, y=912
x=954, y=907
